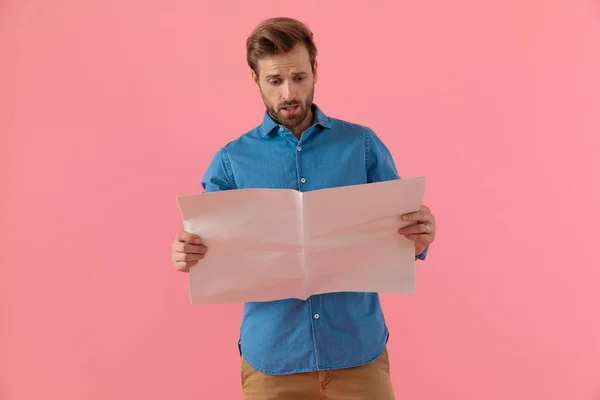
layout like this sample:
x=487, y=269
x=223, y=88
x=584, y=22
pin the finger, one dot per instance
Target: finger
x=182, y=247
x=417, y=216
x=184, y=266
x=188, y=237
x=414, y=238
x=422, y=239
x=413, y=229
x=185, y=257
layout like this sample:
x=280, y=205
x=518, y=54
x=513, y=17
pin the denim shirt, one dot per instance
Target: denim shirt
x=326, y=331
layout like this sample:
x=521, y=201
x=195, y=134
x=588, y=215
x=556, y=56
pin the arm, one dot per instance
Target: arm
x=219, y=175
x=187, y=249
x=381, y=167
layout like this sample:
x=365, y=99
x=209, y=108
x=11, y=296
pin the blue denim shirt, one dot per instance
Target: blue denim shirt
x=327, y=331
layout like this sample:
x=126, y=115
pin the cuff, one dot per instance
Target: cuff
x=423, y=255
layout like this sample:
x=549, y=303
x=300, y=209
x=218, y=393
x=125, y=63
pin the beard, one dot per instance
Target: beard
x=290, y=121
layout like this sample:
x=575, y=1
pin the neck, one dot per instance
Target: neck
x=304, y=125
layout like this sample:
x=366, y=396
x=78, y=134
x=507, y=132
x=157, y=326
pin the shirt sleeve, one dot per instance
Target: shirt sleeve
x=381, y=166
x=218, y=175
x=380, y=163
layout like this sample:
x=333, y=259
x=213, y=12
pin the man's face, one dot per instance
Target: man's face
x=287, y=84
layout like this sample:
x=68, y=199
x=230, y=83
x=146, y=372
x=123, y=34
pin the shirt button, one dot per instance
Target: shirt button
x=299, y=148
x=317, y=316
x=282, y=129
x=303, y=180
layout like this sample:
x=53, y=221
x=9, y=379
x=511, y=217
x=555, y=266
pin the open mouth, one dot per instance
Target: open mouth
x=290, y=110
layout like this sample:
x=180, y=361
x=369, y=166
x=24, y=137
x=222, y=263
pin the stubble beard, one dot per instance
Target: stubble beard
x=290, y=121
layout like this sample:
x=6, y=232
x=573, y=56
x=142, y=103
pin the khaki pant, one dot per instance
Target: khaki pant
x=367, y=382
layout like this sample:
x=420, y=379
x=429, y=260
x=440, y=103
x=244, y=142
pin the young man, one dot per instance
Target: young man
x=331, y=346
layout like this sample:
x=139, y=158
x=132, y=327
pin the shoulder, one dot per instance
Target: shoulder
x=350, y=126
x=354, y=130
x=221, y=160
x=241, y=143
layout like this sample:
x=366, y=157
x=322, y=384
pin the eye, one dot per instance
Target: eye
x=274, y=82
x=300, y=78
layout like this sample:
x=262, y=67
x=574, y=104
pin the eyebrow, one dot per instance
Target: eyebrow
x=294, y=74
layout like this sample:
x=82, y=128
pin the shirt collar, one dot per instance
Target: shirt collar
x=269, y=124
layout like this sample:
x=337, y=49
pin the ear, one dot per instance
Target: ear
x=255, y=78
x=315, y=73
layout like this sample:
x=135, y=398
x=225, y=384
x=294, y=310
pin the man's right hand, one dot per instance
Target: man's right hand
x=187, y=250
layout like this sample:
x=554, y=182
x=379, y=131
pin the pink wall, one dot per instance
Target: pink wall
x=110, y=109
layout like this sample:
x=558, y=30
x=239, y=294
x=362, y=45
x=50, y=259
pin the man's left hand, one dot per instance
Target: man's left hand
x=422, y=232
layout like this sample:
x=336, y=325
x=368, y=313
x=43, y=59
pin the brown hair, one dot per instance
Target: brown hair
x=278, y=36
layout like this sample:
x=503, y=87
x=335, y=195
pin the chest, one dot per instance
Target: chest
x=284, y=163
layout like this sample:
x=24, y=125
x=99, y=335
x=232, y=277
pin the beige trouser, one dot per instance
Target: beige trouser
x=367, y=382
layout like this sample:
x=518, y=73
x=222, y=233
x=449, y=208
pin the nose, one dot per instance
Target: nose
x=288, y=91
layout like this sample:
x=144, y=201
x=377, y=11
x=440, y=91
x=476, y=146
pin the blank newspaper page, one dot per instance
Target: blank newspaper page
x=352, y=241
x=272, y=244
x=254, y=242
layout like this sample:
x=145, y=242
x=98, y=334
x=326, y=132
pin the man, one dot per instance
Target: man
x=331, y=346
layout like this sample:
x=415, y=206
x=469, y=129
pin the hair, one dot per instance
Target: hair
x=278, y=36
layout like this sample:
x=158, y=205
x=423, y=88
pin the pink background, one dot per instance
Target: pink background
x=110, y=109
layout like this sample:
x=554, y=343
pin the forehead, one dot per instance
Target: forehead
x=297, y=59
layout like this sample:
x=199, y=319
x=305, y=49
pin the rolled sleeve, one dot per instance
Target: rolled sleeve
x=379, y=160
x=381, y=167
x=218, y=175
x=423, y=255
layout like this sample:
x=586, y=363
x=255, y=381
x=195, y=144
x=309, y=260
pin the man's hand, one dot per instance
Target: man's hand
x=422, y=232
x=186, y=251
